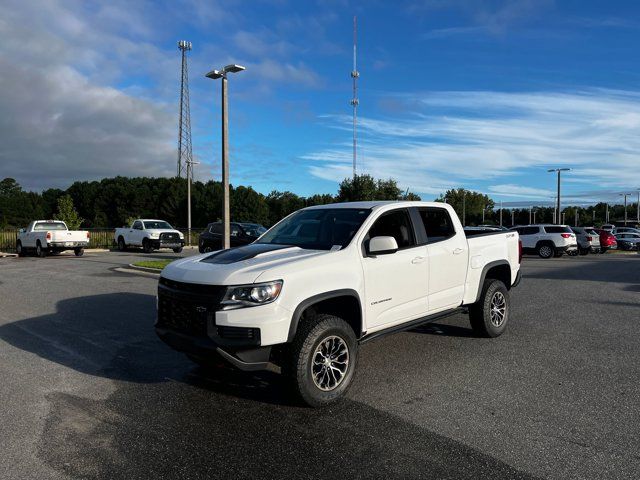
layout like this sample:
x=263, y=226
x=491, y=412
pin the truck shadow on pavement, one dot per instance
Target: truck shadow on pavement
x=167, y=418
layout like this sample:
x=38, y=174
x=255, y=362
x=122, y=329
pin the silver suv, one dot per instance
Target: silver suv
x=547, y=240
x=588, y=240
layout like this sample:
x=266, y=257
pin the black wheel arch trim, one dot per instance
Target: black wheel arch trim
x=302, y=306
x=486, y=269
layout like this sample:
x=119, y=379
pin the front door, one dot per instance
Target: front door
x=395, y=283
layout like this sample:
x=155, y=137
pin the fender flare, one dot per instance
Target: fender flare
x=486, y=269
x=303, y=305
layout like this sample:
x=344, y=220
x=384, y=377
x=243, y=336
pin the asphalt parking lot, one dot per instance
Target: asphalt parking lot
x=88, y=391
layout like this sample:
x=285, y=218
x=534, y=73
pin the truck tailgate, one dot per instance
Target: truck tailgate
x=64, y=236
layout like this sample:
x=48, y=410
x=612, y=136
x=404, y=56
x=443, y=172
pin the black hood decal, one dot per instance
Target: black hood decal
x=239, y=254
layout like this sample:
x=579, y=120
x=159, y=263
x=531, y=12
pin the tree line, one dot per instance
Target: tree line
x=114, y=202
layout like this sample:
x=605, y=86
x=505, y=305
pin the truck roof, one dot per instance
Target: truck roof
x=378, y=204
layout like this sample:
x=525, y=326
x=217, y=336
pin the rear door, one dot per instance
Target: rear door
x=395, y=283
x=448, y=253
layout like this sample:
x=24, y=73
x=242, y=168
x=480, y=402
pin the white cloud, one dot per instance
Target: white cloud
x=456, y=138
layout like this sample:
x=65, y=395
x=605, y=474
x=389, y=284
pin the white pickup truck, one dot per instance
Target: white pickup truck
x=150, y=235
x=328, y=278
x=50, y=236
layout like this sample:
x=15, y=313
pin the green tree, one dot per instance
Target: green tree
x=472, y=203
x=365, y=187
x=67, y=213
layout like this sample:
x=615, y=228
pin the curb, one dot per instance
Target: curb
x=144, y=269
x=135, y=271
x=4, y=254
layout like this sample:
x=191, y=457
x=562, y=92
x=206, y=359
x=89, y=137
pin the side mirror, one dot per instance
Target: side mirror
x=382, y=245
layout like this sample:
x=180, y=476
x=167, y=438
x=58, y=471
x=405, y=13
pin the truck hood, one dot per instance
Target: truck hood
x=236, y=266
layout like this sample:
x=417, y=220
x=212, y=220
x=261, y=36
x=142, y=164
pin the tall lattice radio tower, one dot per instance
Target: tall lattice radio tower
x=185, y=155
x=354, y=101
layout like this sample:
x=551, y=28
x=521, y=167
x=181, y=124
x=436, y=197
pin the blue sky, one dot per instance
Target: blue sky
x=484, y=95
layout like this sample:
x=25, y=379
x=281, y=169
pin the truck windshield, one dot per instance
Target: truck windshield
x=157, y=224
x=317, y=229
x=49, y=226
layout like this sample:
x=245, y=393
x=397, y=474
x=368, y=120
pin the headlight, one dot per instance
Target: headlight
x=181, y=234
x=252, y=295
x=154, y=235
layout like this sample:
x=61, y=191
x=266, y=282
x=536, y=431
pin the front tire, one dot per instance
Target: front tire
x=177, y=250
x=584, y=251
x=490, y=314
x=322, y=360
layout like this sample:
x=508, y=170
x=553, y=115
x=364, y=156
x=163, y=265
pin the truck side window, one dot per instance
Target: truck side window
x=437, y=224
x=396, y=224
x=216, y=228
x=137, y=225
x=235, y=231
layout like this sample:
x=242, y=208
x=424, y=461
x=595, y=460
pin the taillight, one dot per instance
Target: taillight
x=566, y=235
x=589, y=239
x=88, y=236
x=519, y=251
x=48, y=235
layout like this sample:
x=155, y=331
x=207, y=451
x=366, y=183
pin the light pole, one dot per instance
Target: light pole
x=484, y=207
x=625, y=195
x=638, y=210
x=512, y=220
x=558, y=170
x=500, y=212
x=530, y=216
x=534, y=217
x=226, y=211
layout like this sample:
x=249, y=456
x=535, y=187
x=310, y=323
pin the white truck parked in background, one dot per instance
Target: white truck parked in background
x=50, y=236
x=150, y=235
x=328, y=278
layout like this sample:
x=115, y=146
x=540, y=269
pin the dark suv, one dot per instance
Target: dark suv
x=241, y=234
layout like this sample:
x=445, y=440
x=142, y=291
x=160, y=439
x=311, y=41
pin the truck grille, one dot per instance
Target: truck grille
x=187, y=308
x=169, y=237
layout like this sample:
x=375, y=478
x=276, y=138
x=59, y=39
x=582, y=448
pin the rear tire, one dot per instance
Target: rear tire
x=545, y=250
x=40, y=252
x=146, y=246
x=321, y=360
x=490, y=314
x=121, y=245
x=19, y=249
x=79, y=252
x=584, y=251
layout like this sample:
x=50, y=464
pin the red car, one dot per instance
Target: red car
x=607, y=240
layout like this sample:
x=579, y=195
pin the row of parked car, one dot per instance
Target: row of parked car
x=555, y=240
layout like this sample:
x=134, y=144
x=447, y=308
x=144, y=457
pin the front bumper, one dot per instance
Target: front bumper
x=158, y=244
x=190, y=320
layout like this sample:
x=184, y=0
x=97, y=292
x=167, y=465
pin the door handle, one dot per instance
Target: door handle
x=418, y=260
x=458, y=251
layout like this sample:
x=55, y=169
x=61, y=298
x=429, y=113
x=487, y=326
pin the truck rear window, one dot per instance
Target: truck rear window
x=43, y=226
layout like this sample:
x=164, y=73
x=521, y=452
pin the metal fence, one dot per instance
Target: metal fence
x=98, y=237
